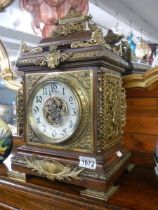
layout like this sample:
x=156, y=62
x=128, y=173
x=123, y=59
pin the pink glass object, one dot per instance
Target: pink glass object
x=45, y=13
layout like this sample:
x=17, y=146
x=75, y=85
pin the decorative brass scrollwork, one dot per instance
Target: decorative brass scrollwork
x=53, y=170
x=71, y=23
x=112, y=109
x=97, y=38
x=26, y=50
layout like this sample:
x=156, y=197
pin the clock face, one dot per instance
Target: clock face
x=54, y=111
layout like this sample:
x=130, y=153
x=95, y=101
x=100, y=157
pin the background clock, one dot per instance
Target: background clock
x=54, y=111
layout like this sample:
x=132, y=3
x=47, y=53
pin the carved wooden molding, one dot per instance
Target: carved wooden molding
x=147, y=80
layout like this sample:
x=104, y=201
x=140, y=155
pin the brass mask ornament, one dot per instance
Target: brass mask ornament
x=54, y=58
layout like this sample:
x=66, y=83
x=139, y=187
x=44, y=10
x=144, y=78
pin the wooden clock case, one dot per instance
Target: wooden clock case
x=75, y=52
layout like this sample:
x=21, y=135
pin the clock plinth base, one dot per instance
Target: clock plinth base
x=97, y=181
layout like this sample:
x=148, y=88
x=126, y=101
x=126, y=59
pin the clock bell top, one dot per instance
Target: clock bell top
x=76, y=41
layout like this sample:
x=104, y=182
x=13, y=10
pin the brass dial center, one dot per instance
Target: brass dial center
x=55, y=110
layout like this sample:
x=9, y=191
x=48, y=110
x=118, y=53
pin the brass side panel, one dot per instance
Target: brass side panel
x=20, y=111
x=111, y=109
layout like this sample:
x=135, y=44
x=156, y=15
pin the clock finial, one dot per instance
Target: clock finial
x=71, y=23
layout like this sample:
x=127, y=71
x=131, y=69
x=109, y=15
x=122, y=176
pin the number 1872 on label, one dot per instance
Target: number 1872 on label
x=87, y=162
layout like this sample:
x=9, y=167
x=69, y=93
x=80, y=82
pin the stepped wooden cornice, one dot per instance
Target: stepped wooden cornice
x=147, y=80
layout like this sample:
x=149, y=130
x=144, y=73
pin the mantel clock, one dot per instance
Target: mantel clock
x=74, y=109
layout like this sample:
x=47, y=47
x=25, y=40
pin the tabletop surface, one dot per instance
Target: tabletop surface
x=138, y=190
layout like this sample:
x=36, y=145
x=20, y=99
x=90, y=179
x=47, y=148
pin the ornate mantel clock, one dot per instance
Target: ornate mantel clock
x=74, y=109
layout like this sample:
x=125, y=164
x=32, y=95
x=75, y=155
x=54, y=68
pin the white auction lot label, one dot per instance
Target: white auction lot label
x=87, y=162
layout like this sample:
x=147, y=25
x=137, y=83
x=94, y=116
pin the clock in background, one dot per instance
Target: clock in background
x=6, y=141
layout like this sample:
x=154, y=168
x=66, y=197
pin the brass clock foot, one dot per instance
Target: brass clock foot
x=17, y=176
x=100, y=195
x=130, y=167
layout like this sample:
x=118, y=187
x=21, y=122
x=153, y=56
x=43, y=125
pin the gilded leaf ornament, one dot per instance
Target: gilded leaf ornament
x=53, y=170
